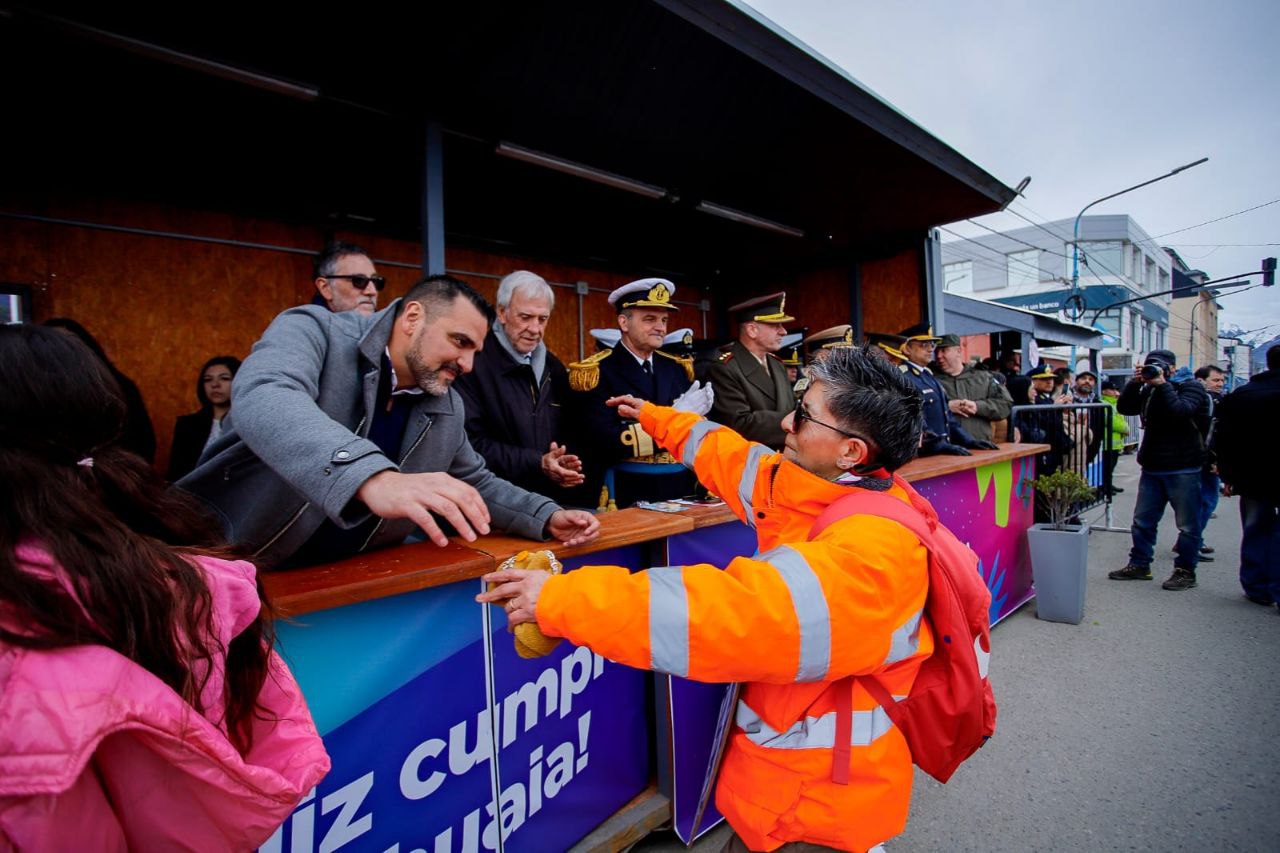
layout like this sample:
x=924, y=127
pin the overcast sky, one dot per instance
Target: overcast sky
x=1088, y=98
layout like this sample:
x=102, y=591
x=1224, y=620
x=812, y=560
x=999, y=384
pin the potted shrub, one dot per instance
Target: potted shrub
x=1060, y=551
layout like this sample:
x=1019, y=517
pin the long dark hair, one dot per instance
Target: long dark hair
x=122, y=538
x=232, y=363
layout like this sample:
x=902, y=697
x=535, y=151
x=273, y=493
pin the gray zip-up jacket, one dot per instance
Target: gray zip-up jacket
x=296, y=449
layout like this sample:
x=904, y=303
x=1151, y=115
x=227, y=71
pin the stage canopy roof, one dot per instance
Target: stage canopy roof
x=320, y=117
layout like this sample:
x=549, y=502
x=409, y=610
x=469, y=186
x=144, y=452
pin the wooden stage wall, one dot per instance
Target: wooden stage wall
x=160, y=306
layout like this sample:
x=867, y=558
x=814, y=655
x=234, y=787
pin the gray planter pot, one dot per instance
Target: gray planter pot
x=1058, y=561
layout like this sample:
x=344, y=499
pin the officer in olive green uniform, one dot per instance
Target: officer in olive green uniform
x=752, y=391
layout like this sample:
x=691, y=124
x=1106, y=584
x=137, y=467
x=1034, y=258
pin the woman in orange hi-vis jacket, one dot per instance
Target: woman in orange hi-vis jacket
x=788, y=622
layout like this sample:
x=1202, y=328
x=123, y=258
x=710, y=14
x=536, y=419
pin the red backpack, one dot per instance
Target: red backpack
x=951, y=710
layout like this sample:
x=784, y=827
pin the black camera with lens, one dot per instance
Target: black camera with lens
x=1152, y=371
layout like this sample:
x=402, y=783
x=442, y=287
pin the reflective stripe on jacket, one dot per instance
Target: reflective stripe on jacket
x=788, y=621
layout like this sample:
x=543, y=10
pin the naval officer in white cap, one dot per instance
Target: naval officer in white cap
x=636, y=366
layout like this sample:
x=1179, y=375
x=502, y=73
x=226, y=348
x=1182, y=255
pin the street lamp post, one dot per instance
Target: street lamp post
x=1075, y=238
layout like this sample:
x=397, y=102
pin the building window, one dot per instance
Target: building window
x=1135, y=335
x=1024, y=268
x=1109, y=322
x=1103, y=257
x=1164, y=281
x=958, y=277
x=1151, y=275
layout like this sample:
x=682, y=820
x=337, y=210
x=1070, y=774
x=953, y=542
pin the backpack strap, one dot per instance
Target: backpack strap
x=843, y=749
x=917, y=516
x=921, y=523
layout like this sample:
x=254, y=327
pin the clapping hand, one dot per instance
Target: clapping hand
x=698, y=399
x=562, y=467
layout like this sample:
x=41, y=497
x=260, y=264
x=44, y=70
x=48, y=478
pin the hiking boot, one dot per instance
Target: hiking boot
x=1206, y=549
x=1131, y=573
x=1180, y=579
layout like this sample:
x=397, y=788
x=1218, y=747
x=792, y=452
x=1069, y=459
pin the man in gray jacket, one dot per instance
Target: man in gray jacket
x=347, y=435
x=974, y=396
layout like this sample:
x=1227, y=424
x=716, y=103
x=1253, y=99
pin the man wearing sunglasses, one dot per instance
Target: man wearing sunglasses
x=792, y=620
x=346, y=280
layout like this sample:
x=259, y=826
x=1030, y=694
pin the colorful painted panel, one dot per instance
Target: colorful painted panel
x=989, y=509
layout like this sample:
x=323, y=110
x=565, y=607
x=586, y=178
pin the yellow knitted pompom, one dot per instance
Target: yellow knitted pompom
x=530, y=641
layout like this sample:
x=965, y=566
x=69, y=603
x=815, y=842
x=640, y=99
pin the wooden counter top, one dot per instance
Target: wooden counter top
x=406, y=568
x=937, y=466
x=377, y=574
x=624, y=527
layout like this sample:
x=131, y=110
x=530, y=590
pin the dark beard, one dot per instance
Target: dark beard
x=431, y=381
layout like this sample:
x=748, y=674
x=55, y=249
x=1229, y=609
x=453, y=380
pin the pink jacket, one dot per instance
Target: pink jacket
x=96, y=753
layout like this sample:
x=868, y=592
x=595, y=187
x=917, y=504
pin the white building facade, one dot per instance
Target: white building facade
x=1031, y=268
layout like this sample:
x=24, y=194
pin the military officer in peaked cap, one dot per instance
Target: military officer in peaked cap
x=635, y=366
x=752, y=391
x=836, y=336
x=789, y=355
x=943, y=434
x=887, y=346
x=820, y=343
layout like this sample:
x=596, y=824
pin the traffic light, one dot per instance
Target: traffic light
x=1268, y=272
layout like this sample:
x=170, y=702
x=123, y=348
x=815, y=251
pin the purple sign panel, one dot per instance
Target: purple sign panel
x=414, y=702
x=693, y=708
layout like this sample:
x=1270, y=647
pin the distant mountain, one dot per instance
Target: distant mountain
x=1258, y=361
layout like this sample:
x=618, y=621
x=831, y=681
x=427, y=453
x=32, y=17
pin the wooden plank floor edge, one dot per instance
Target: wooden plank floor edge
x=645, y=813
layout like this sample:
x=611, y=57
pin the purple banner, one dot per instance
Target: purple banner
x=413, y=765
x=693, y=708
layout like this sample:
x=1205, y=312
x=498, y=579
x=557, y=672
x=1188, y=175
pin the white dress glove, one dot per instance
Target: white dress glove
x=697, y=399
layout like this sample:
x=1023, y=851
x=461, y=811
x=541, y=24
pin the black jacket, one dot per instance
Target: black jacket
x=190, y=432
x=1175, y=420
x=1244, y=438
x=511, y=421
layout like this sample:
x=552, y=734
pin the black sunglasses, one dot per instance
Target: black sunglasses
x=802, y=415
x=361, y=281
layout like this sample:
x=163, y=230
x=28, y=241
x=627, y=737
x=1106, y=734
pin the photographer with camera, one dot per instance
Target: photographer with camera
x=1175, y=419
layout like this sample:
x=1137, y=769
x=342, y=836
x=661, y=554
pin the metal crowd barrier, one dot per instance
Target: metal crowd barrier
x=1077, y=436
x=1135, y=431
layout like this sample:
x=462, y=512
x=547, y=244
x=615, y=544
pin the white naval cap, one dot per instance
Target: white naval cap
x=607, y=337
x=644, y=293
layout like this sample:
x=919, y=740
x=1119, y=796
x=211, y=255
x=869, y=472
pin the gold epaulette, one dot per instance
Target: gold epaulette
x=683, y=360
x=726, y=357
x=585, y=375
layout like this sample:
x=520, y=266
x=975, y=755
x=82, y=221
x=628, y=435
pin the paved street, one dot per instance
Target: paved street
x=1152, y=725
